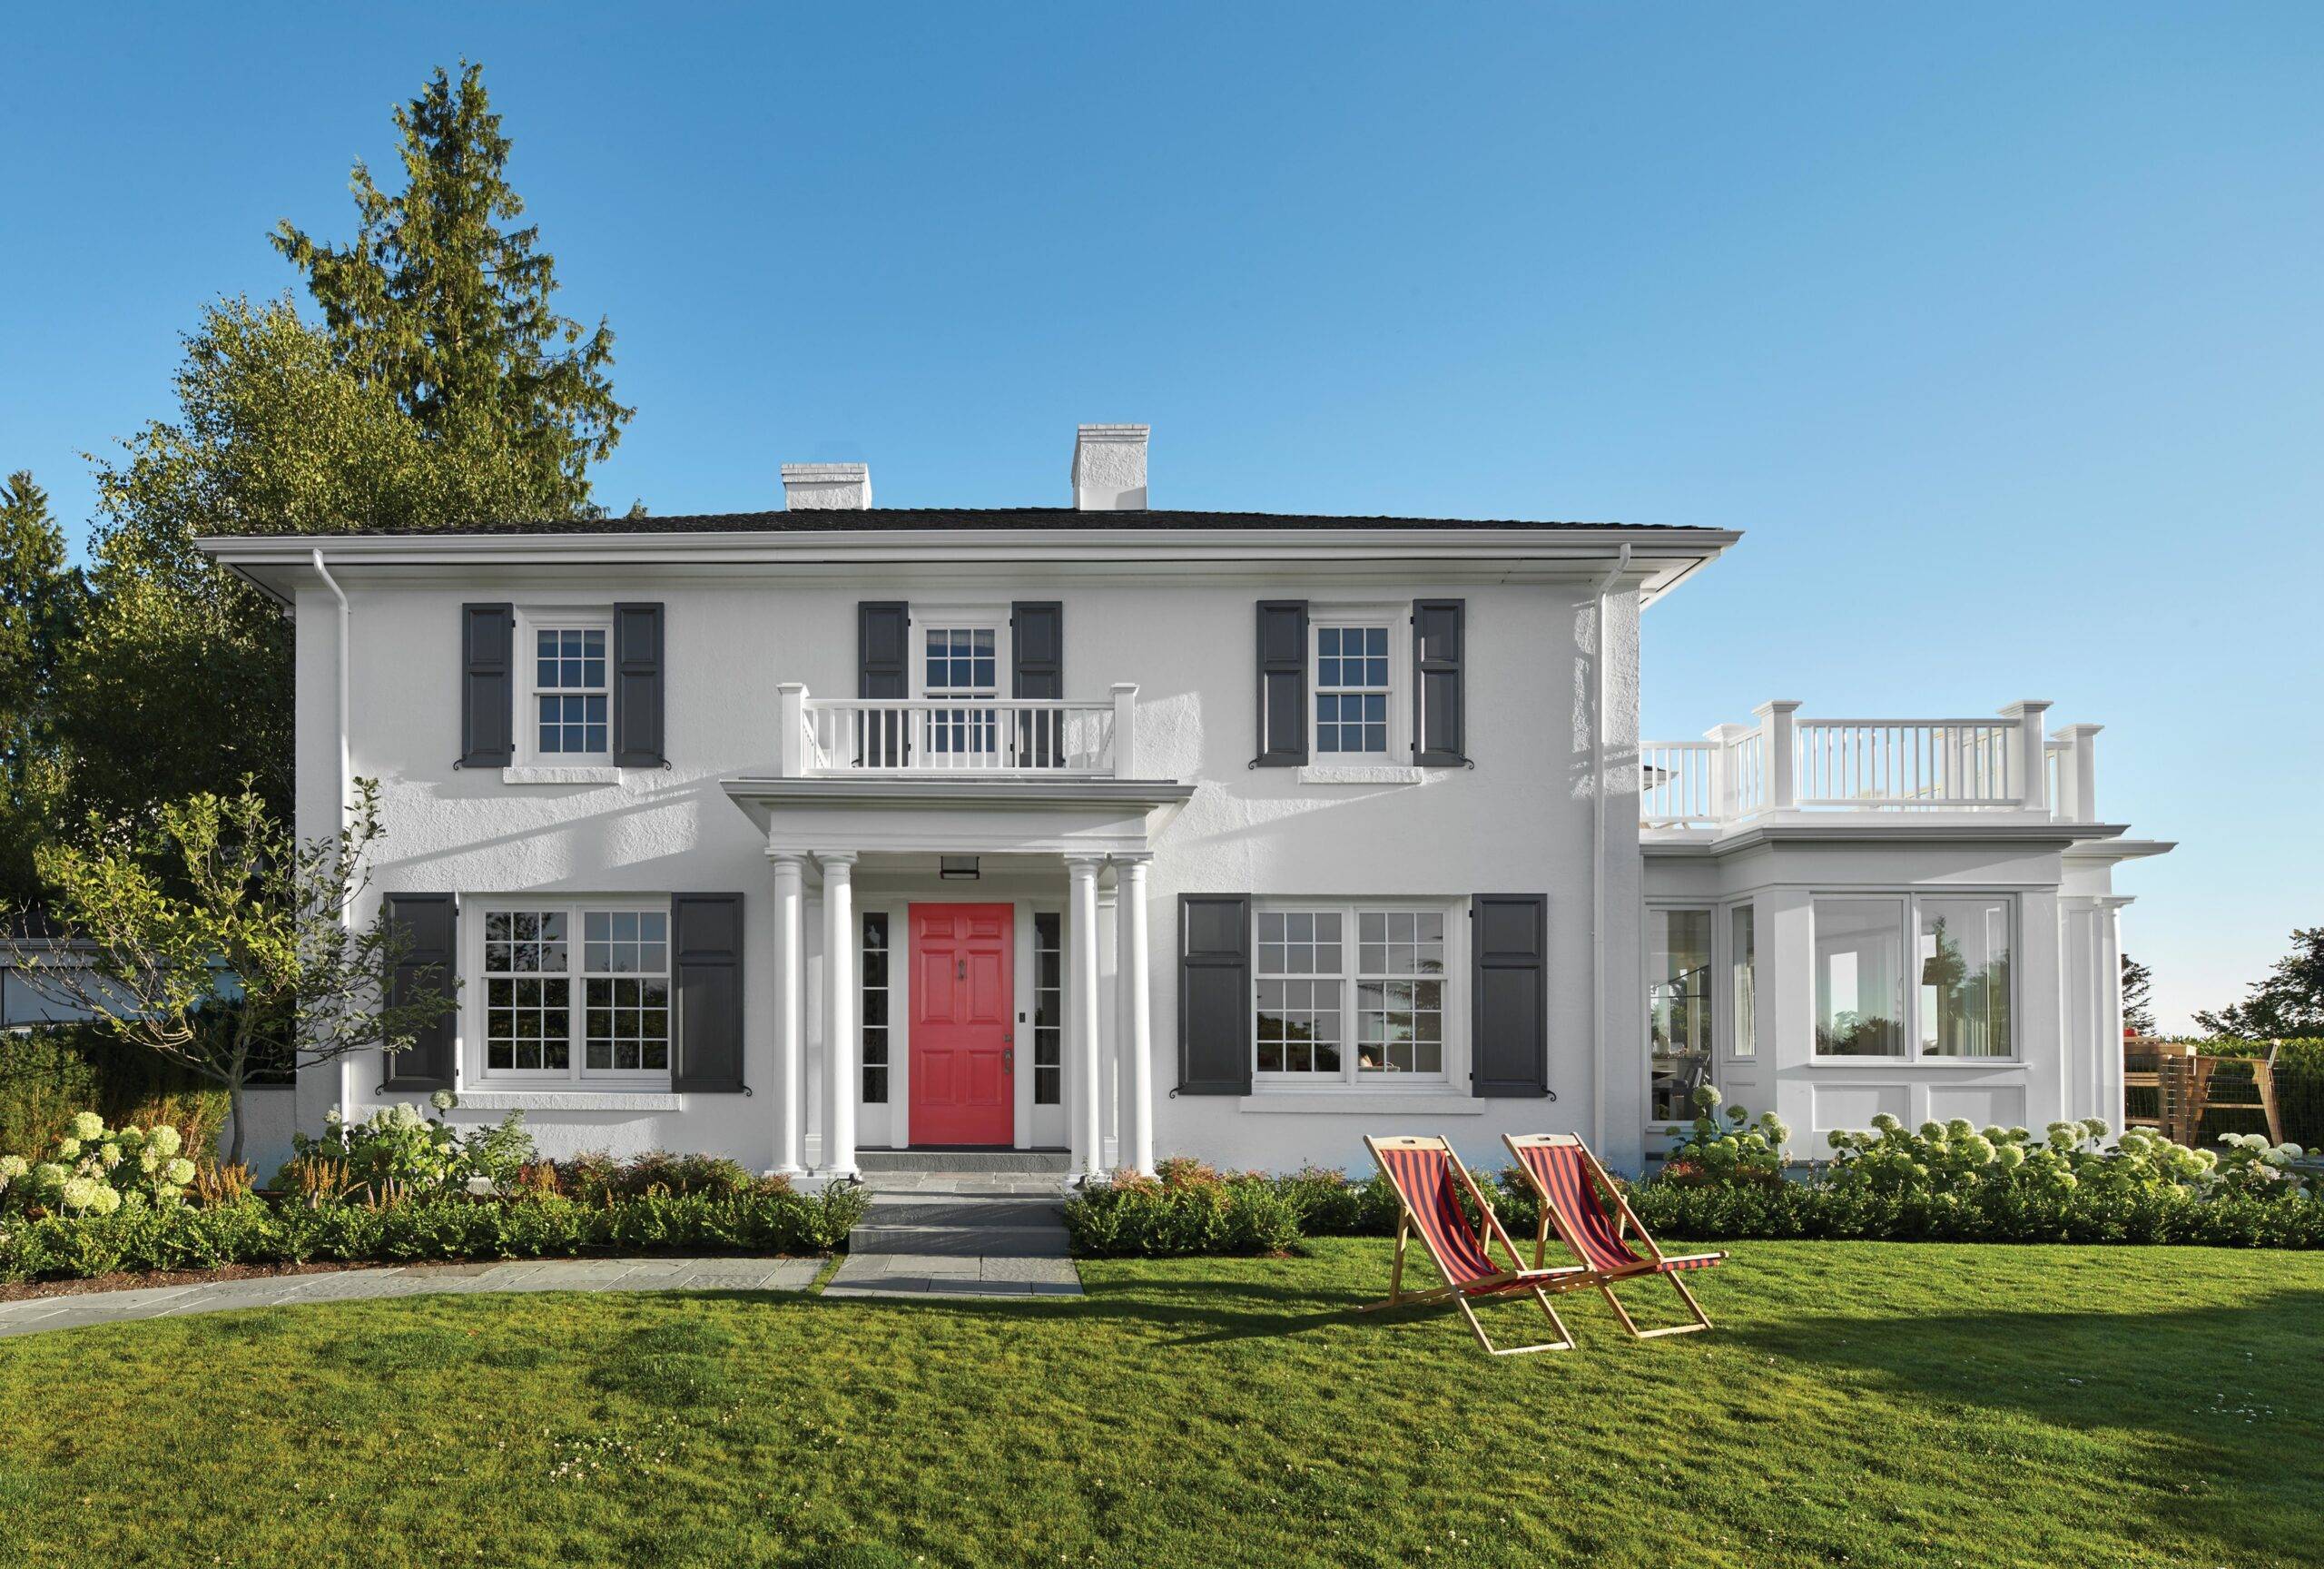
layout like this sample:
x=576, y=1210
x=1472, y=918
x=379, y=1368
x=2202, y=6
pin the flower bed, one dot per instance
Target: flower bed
x=1728, y=1180
x=397, y=1188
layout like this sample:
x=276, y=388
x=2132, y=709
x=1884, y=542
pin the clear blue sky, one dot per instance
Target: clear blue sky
x=1997, y=328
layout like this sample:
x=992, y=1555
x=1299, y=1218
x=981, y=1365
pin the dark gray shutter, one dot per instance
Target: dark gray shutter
x=1037, y=648
x=706, y=963
x=1440, y=735
x=1282, y=682
x=487, y=685
x=883, y=645
x=1213, y=994
x=1510, y=1051
x=882, y=669
x=1036, y=665
x=637, y=685
x=429, y=925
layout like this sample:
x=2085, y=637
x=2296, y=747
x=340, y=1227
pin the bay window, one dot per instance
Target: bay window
x=1959, y=1003
x=1678, y=1009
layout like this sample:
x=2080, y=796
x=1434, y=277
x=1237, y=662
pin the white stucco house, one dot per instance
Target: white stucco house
x=1131, y=833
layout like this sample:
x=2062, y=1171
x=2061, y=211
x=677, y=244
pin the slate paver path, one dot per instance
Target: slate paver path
x=73, y=1311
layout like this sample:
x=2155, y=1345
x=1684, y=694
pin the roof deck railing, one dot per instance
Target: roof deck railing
x=1798, y=766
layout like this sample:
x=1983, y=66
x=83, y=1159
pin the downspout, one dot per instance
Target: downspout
x=347, y=913
x=1598, y=868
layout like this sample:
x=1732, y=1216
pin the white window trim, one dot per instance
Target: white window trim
x=533, y=766
x=1913, y=1056
x=474, y=993
x=1397, y=621
x=1352, y=1082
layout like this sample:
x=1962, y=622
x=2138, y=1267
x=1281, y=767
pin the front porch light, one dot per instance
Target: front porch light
x=957, y=868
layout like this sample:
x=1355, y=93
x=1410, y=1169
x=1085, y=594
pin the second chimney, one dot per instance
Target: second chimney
x=810, y=486
x=1109, y=469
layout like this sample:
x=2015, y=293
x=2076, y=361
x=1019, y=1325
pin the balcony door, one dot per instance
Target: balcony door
x=962, y=1047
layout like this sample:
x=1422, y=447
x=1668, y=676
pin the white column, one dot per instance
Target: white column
x=2029, y=752
x=1134, y=984
x=790, y=1009
x=839, y=1015
x=1081, y=1000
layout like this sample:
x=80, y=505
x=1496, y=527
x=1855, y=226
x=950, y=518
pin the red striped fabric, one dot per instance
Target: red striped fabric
x=1565, y=1177
x=1424, y=1178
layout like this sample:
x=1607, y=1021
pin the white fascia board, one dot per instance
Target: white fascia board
x=2092, y=839
x=280, y=564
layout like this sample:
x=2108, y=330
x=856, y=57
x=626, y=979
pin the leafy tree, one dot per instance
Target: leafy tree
x=41, y=601
x=216, y=890
x=2138, y=997
x=446, y=307
x=2289, y=1001
x=178, y=680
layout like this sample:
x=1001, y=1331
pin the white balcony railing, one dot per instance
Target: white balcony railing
x=1017, y=737
x=1786, y=764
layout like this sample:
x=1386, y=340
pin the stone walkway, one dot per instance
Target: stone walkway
x=711, y=1274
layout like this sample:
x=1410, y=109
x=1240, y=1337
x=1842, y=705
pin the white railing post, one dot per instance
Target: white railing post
x=1726, y=771
x=1778, y=740
x=2077, y=799
x=1125, y=729
x=2029, y=753
x=790, y=729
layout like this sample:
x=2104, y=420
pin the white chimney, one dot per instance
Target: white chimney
x=1109, y=469
x=812, y=486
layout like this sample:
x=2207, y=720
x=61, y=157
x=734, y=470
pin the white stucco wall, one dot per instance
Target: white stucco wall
x=1519, y=822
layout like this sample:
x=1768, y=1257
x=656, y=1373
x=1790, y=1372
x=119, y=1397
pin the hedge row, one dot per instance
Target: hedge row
x=256, y=1231
x=1203, y=1213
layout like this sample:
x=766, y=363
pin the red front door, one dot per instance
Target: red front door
x=963, y=1085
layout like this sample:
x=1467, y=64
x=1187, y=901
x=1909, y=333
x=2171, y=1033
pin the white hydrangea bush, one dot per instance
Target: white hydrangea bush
x=95, y=1169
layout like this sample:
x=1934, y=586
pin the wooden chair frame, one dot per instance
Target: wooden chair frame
x=1582, y=1277
x=1509, y=1281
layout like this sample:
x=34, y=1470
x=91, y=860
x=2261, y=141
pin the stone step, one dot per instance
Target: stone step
x=963, y=1185
x=914, y=1207
x=1014, y=1162
x=960, y=1242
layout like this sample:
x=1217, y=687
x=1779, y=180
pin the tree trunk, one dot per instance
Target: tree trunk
x=234, y=1107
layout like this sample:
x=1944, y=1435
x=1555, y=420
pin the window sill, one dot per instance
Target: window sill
x=1364, y=773
x=571, y=1101
x=1446, y=1103
x=539, y=773
x=1943, y=1064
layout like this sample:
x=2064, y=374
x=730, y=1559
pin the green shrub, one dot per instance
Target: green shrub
x=94, y=1169
x=1742, y=1151
x=49, y=1075
x=257, y=1232
x=395, y=1151
x=1186, y=1208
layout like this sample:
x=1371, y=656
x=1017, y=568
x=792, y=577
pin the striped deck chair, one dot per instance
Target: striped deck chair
x=1591, y=1216
x=1424, y=1172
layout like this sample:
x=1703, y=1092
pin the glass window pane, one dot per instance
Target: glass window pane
x=1679, y=1009
x=1963, y=949
x=1859, y=980
x=1743, y=987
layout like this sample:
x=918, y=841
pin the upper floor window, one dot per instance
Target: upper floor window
x=571, y=700
x=961, y=661
x=1351, y=687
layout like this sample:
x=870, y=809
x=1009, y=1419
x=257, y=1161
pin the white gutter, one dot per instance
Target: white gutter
x=346, y=911
x=1598, y=868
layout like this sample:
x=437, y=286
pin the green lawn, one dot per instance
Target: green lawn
x=1861, y=1404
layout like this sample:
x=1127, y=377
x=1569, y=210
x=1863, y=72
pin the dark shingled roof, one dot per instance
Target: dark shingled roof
x=836, y=519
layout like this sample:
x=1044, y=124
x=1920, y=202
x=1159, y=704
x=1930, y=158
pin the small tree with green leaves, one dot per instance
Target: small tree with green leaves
x=215, y=937
x=2138, y=997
